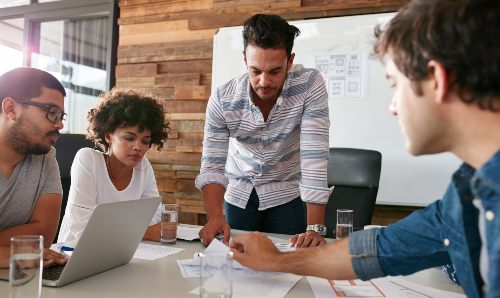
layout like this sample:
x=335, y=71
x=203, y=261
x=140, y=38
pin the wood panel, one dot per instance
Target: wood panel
x=386, y=214
x=175, y=79
x=139, y=82
x=136, y=70
x=185, y=106
x=165, y=49
x=123, y=3
x=171, y=157
x=161, y=52
x=166, y=7
x=200, y=66
x=236, y=17
x=184, y=35
x=160, y=93
x=187, y=126
x=192, y=92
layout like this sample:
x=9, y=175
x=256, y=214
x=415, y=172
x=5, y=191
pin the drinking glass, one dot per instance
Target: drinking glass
x=25, y=268
x=215, y=275
x=344, y=223
x=169, y=222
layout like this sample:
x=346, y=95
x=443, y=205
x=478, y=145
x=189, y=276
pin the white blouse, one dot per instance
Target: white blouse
x=91, y=186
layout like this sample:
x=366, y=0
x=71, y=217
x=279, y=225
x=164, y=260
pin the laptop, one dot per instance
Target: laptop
x=109, y=240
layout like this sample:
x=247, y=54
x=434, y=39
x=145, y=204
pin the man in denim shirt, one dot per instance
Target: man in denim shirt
x=443, y=62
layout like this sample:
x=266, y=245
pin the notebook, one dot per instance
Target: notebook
x=109, y=240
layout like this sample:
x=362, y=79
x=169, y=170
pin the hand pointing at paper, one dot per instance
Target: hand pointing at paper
x=254, y=250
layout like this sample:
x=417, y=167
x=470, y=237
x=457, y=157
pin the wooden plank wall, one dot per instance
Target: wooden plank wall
x=165, y=48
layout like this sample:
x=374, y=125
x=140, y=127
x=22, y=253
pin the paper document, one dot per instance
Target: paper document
x=345, y=75
x=217, y=246
x=247, y=284
x=191, y=267
x=391, y=287
x=152, y=252
x=188, y=233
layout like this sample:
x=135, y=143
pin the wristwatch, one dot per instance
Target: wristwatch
x=318, y=228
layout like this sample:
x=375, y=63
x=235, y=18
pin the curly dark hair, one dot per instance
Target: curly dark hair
x=464, y=35
x=124, y=108
x=269, y=31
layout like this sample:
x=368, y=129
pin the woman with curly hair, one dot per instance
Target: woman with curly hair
x=124, y=124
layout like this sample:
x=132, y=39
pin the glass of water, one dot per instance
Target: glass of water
x=169, y=222
x=25, y=268
x=215, y=275
x=344, y=223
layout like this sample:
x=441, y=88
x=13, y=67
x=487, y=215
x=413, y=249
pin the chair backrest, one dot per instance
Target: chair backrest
x=66, y=148
x=355, y=173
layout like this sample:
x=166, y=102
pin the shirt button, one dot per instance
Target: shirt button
x=446, y=242
x=489, y=215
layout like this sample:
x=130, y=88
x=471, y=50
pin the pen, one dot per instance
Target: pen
x=66, y=248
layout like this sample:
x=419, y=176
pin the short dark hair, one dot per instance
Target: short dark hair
x=124, y=108
x=269, y=31
x=463, y=35
x=27, y=82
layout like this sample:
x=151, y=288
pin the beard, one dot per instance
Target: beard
x=22, y=132
x=270, y=92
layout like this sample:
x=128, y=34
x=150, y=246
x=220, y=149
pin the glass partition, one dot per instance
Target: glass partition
x=11, y=44
x=75, y=52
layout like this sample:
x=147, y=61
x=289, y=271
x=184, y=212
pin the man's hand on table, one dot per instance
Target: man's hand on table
x=215, y=225
x=307, y=239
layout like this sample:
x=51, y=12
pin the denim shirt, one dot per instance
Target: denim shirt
x=444, y=232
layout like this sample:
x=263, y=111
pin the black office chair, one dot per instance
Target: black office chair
x=355, y=173
x=66, y=148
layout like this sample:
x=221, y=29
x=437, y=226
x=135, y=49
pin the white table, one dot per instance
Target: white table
x=141, y=278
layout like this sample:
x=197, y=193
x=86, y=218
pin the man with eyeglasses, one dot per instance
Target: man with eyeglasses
x=31, y=115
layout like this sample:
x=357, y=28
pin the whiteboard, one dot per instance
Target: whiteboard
x=361, y=118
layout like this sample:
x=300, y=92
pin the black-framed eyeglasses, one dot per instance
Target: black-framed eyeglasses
x=54, y=113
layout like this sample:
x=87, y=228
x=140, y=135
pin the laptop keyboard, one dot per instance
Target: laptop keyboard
x=53, y=272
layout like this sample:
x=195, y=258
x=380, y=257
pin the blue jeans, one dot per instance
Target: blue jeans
x=289, y=218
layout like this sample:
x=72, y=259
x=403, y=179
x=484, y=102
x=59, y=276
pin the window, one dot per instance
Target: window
x=11, y=44
x=11, y=3
x=73, y=40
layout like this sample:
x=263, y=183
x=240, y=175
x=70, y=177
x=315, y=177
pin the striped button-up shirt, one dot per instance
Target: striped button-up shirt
x=283, y=157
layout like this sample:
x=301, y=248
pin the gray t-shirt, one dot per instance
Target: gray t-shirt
x=33, y=176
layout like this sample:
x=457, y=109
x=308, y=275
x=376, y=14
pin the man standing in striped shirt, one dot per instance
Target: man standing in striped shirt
x=266, y=148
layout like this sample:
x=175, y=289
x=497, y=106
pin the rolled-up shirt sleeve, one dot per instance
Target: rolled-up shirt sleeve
x=410, y=245
x=314, y=144
x=364, y=254
x=215, y=147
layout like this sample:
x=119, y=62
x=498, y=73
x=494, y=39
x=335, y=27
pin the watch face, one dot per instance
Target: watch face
x=320, y=229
